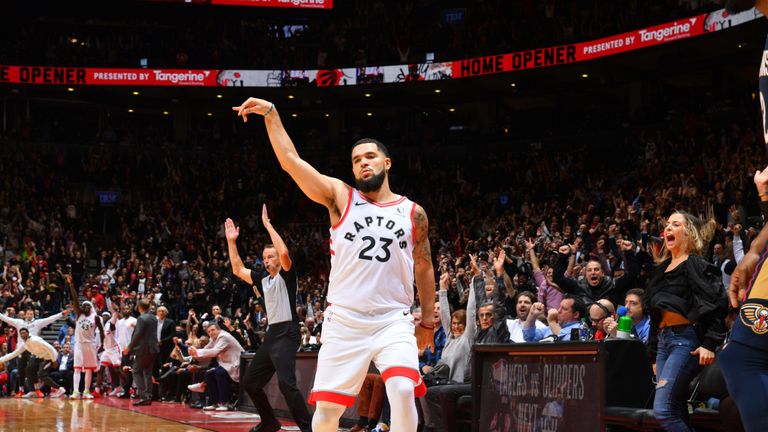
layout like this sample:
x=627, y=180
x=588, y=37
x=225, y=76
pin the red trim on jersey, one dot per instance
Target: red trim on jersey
x=419, y=389
x=85, y=368
x=346, y=209
x=388, y=204
x=413, y=224
x=326, y=396
x=110, y=364
x=330, y=242
x=333, y=253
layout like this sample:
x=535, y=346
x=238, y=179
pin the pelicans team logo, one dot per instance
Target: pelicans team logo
x=755, y=316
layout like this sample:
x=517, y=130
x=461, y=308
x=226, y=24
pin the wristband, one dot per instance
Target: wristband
x=432, y=327
x=269, y=111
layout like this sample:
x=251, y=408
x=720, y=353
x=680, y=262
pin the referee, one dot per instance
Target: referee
x=278, y=353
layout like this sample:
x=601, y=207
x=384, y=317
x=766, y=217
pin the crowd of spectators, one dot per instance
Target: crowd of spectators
x=501, y=209
x=359, y=33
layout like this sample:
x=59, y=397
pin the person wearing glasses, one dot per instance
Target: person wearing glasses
x=599, y=312
x=491, y=328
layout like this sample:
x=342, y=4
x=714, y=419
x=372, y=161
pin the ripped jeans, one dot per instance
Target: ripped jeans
x=675, y=369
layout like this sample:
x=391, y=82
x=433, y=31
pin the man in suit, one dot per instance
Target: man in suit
x=166, y=330
x=144, y=346
x=64, y=373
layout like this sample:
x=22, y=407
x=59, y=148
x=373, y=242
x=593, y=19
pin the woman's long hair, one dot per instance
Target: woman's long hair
x=699, y=232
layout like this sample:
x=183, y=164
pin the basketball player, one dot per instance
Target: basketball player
x=43, y=352
x=278, y=353
x=379, y=245
x=86, y=359
x=35, y=326
x=110, y=359
x=744, y=360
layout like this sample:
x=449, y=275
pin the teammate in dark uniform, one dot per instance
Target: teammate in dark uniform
x=744, y=360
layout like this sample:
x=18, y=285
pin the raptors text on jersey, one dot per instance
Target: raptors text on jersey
x=372, y=255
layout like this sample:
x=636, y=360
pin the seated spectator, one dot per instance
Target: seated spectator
x=560, y=321
x=192, y=370
x=492, y=330
x=225, y=348
x=599, y=312
x=433, y=353
x=641, y=321
x=524, y=302
x=456, y=353
x=66, y=369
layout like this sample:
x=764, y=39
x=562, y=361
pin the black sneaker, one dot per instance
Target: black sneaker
x=266, y=427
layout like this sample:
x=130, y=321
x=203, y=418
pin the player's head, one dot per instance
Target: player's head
x=370, y=164
x=87, y=307
x=29, y=314
x=24, y=333
x=126, y=310
x=271, y=259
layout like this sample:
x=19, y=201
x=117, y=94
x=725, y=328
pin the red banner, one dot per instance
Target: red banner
x=643, y=38
x=298, y=4
x=565, y=54
x=99, y=76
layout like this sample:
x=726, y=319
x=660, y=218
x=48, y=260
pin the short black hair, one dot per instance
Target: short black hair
x=382, y=148
x=578, y=305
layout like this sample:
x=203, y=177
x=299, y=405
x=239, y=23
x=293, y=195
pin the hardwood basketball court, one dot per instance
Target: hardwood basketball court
x=117, y=415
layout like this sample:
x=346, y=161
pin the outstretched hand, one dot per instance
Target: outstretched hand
x=230, y=230
x=252, y=106
x=265, y=216
x=761, y=180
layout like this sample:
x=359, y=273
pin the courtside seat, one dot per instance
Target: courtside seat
x=627, y=417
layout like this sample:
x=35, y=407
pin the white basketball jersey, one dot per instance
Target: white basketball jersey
x=85, y=329
x=372, y=255
x=109, y=335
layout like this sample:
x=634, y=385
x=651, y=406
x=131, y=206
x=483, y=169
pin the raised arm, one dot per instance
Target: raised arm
x=45, y=322
x=445, y=308
x=322, y=189
x=97, y=319
x=75, y=300
x=238, y=268
x=471, y=326
x=530, y=247
x=424, y=274
x=277, y=241
x=13, y=322
x=567, y=284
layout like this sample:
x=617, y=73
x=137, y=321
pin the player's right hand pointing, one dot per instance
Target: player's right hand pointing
x=252, y=106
